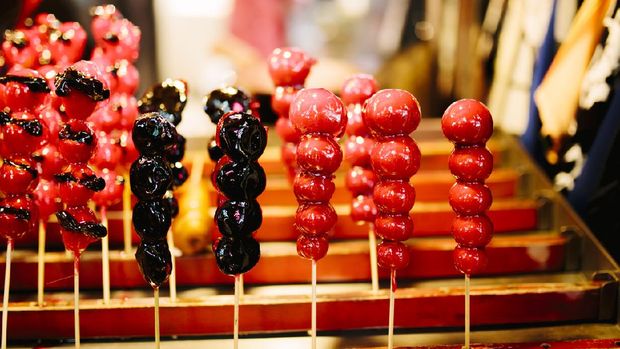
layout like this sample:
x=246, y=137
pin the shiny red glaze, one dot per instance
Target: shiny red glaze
x=310, y=188
x=360, y=180
x=289, y=66
x=46, y=198
x=224, y=160
x=318, y=154
x=316, y=110
x=357, y=150
x=77, y=104
x=105, y=119
x=76, y=242
x=127, y=45
x=392, y=112
x=355, y=122
x=127, y=106
x=467, y=122
x=73, y=193
x=26, y=55
x=49, y=72
x=312, y=247
x=113, y=192
x=286, y=130
x=394, y=197
x=396, y=158
x=108, y=153
x=358, y=88
x=472, y=231
x=470, y=198
x=469, y=261
x=282, y=98
x=289, y=155
x=471, y=163
x=67, y=44
x=17, y=180
x=74, y=151
x=392, y=255
x=10, y=226
x=125, y=78
x=363, y=209
x=16, y=140
x=103, y=17
x=18, y=96
x=315, y=219
x=393, y=227
x=49, y=161
x=52, y=121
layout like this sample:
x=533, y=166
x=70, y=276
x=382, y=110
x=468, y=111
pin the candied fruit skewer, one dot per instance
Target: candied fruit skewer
x=468, y=124
x=360, y=178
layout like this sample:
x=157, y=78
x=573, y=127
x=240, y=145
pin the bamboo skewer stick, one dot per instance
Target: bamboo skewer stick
x=5, y=296
x=76, y=299
x=467, y=312
x=156, y=301
x=172, y=281
x=391, y=311
x=374, y=268
x=313, y=320
x=41, y=264
x=236, y=312
x=105, y=258
x=127, y=216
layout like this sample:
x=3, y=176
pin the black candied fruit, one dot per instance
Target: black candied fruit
x=173, y=204
x=155, y=262
x=150, y=177
x=236, y=256
x=153, y=134
x=225, y=100
x=177, y=151
x=238, y=218
x=215, y=152
x=242, y=136
x=179, y=174
x=152, y=219
x=240, y=180
x=169, y=96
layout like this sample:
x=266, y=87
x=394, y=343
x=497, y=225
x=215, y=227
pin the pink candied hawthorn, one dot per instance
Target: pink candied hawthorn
x=392, y=112
x=467, y=122
x=316, y=110
x=289, y=66
x=358, y=88
x=24, y=89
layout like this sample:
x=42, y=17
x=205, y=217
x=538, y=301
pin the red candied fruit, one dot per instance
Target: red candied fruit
x=315, y=219
x=392, y=255
x=18, y=175
x=363, y=209
x=467, y=122
x=23, y=135
x=12, y=226
x=316, y=110
x=392, y=112
x=286, y=130
x=360, y=180
x=312, y=247
x=357, y=150
x=319, y=154
x=471, y=163
x=113, y=191
x=396, y=158
x=394, y=227
x=472, y=231
x=282, y=98
x=469, y=261
x=394, y=197
x=77, y=141
x=470, y=198
x=108, y=153
x=311, y=188
x=74, y=241
x=19, y=96
x=289, y=66
x=46, y=198
x=73, y=191
x=358, y=88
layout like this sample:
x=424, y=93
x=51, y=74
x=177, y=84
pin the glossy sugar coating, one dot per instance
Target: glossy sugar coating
x=391, y=115
x=225, y=100
x=80, y=87
x=468, y=124
x=320, y=117
x=360, y=178
x=113, y=191
x=289, y=66
x=240, y=180
x=169, y=96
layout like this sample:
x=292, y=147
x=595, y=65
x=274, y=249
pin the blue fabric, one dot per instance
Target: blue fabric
x=589, y=180
x=531, y=138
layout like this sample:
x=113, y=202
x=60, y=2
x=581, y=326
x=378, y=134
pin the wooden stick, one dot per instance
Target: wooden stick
x=156, y=300
x=467, y=312
x=172, y=281
x=236, y=313
x=241, y=286
x=127, y=216
x=105, y=258
x=391, y=313
x=313, y=320
x=41, y=264
x=76, y=299
x=5, y=295
x=198, y=165
x=374, y=268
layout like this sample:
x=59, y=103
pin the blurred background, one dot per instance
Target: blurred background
x=547, y=69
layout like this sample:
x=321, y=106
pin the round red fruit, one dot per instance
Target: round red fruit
x=357, y=150
x=472, y=231
x=286, y=130
x=470, y=198
x=289, y=66
x=76, y=141
x=394, y=197
x=360, y=180
x=467, y=122
x=469, y=261
x=18, y=216
x=363, y=209
x=392, y=255
x=312, y=247
x=113, y=191
x=289, y=154
x=22, y=133
x=46, y=198
x=392, y=112
x=309, y=188
x=316, y=110
x=282, y=99
x=394, y=227
x=319, y=154
x=315, y=219
x=77, y=242
x=396, y=158
x=77, y=184
x=471, y=163
x=18, y=175
x=108, y=153
x=358, y=88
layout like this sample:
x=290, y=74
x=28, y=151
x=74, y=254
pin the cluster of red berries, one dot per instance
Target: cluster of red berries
x=469, y=125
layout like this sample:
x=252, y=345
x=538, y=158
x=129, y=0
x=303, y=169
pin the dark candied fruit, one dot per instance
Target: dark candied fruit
x=240, y=180
x=179, y=174
x=225, y=100
x=155, y=262
x=169, y=96
x=238, y=218
x=236, y=255
x=153, y=134
x=177, y=151
x=215, y=152
x=241, y=136
x=150, y=177
x=152, y=219
x=173, y=204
